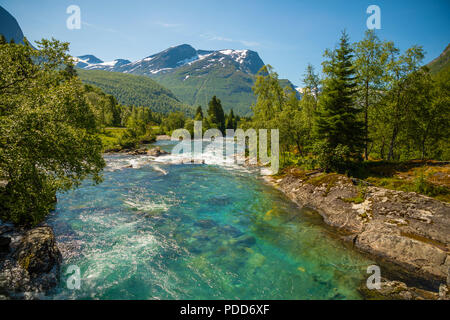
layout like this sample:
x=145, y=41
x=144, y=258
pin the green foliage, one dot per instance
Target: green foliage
x=107, y=111
x=373, y=102
x=360, y=198
x=216, y=116
x=231, y=86
x=135, y=90
x=196, y=86
x=48, y=136
x=332, y=158
x=231, y=121
x=174, y=121
x=370, y=61
x=278, y=108
x=337, y=120
x=441, y=63
x=199, y=114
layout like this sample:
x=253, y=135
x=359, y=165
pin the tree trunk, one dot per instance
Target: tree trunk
x=423, y=147
x=392, y=144
x=382, y=149
x=366, y=122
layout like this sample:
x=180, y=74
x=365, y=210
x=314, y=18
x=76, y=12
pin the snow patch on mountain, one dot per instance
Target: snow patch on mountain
x=176, y=57
x=237, y=55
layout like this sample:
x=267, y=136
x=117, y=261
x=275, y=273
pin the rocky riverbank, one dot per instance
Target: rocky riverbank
x=29, y=262
x=406, y=230
x=153, y=152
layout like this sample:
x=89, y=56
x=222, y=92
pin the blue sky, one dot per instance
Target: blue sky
x=287, y=34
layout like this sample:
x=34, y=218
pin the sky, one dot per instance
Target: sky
x=288, y=34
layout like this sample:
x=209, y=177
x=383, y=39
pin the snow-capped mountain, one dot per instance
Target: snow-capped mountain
x=175, y=57
x=90, y=62
x=195, y=75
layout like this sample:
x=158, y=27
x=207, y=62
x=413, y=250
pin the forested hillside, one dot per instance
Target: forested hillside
x=135, y=90
x=441, y=63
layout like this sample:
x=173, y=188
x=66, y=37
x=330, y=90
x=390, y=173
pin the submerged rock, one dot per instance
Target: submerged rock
x=397, y=290
x=245, y=241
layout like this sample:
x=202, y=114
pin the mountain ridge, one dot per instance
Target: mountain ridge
x=441, y=62
x=196, y=75
x=134, y=90
x=9, y=27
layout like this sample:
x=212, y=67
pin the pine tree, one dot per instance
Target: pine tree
x=199, y=114
x=2, y=39
x=230, y=122
x=216, y=114
x=337, y=122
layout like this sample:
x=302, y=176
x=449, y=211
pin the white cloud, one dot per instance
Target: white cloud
x=250, y=43
x=213, y=37
x=168, y=25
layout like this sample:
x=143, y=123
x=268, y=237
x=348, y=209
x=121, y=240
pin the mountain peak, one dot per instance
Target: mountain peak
x=9, y=27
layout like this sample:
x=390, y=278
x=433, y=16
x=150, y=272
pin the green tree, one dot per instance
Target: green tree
x=199, y=114
x=370, y=60
x=48, y=136
x=309, y=102
x=398, y=101
x=270, y=98
x=428, y=121
x=174, y=121
x=337, y=122
x=231, y=122
x=216, y=115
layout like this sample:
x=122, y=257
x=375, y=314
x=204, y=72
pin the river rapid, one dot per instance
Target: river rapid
x=160, y=229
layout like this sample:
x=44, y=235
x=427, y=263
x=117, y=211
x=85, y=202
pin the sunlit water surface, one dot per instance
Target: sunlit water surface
x=165, y=231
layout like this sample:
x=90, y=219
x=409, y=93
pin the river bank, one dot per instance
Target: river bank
x=408, y=231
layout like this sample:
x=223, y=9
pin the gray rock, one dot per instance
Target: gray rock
x=37, y=252
x=156, y=152
x=396, y=290
x=245, y=240
x=404, y=228
x=444, y=292
x=33, y=265
x=137, y=152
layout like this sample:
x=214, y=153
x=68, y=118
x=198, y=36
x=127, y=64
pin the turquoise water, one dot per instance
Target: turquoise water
x=165, y=231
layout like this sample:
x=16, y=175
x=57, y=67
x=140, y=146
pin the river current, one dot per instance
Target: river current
x=159, y=229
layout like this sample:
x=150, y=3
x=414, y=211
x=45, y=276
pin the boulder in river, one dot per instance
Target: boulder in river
x=33, y=264
x=156, y=152
x=37, y=252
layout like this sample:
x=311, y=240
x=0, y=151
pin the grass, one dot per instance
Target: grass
x=430, y=178
x=112, y=138
x=420, y=186
x=360, y=198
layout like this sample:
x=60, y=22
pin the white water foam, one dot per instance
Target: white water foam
x=213, y=153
